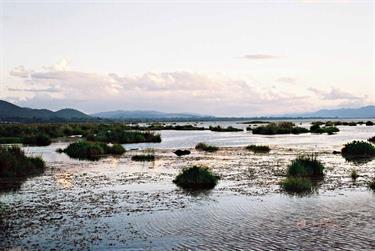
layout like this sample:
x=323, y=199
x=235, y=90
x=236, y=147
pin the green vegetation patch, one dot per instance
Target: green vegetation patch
x=206, y=148
x=357, y=150
x=279, y=128
x=258, y=149
x=91, y=150
x=371, y=184
x=222, y=129
x=196, y=177
x=372, y=139
x=124, y=137
x=327, y=129
x=305, y=166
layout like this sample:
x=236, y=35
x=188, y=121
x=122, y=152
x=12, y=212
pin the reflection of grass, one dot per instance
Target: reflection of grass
x=92, y=150
x=258, y=149
x=357, y=150
x=196, y=177
x=206, y=148
x=305, y=166
x=297, y=185
x=143, y=157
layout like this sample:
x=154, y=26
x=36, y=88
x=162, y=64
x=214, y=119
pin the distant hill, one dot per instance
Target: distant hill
x=147, y=115
x=362, y=112
x=13, y=113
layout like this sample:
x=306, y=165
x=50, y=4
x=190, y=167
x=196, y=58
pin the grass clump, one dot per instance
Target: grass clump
x=279, y=128
x=91, y=150
x=196, y=177
x=124, y=137
x=10, y=140
x=354, y=174
x=143, y=157
x=222, y=129
x=369, y=123
x=258, y=149
x=206, y=148
x=305, y=166
x=315, y=128
x=297, y=185
x=357, y=150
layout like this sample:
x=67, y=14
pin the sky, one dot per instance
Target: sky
x=225, y=58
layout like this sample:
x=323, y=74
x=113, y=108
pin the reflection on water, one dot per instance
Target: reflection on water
x=116, y=203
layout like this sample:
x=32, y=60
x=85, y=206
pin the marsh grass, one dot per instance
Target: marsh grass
x=279, y=128
x=196, y=177
x=305, y=166
x=86, y=150
x=372, y=139
x=354, y=174
x=371, y=184
x=222, y=129
x=258, y=149
x=37, y=140
x=315, y=128
x=205, y=147
x=297, y=185
x=357, y=150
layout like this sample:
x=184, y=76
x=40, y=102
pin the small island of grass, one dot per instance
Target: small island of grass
x=143, y=157
x=196, y=177
x=223, y=129
x=86, y=150
x=358, y=150
x=206, y=148
x=320, y=130
x=279, y=128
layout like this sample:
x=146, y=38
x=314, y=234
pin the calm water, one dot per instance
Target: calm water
x=118, y=204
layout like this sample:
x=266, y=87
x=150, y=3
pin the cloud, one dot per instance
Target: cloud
x=334, y=94
x=33, y=90
x=20, y=72
x=259, y=56
x=286, y=80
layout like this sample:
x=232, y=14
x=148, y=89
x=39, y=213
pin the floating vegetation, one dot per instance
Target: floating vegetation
x=357, y=150
x=305, y=166
x=279, y=128
x=258, y=149
x=206, y=148
x=297, y=185
x=15, y=167
x=92, y=150
x=143, y=157
x=196, y=177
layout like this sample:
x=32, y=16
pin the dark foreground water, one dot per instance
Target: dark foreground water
x=118, y=204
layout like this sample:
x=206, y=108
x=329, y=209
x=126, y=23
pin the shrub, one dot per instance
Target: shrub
x=38, y=140
x=258, y=149
x=354, y=174
x=372, y=139
x=206, y=148
x=297, y=185
x=196, y=177
x=327, y=129
x=91, y=150
x=305, y=166
x=14, y=163
x=145, y=157
x=10, y=140
x=279, y=128
x=369, y=123
x=357, y=150
x=180, y=152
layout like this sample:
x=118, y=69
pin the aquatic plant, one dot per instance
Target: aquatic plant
x=354, y=174
x=279, y=128
x=357, y=150
x=258, y=149
x=143, y=157
x=207, y=148
x=305, y=166
x=196, y=177
x=372, y=139
x=297, y=185
x=92, y=150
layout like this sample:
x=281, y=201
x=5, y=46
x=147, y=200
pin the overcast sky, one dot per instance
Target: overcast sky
x=239, y=58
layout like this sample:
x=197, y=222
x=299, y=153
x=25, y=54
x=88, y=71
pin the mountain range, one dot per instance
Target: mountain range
x=13, y=113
